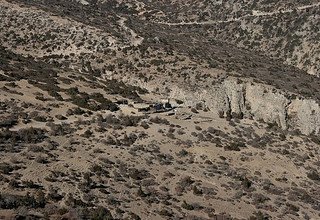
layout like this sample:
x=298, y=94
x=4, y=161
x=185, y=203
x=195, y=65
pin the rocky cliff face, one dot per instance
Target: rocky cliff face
x=257, y=101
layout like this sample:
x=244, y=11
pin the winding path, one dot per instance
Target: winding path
x=255, y=13
x=135, y=39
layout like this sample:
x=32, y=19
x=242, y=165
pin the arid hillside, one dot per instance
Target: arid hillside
x=159, y=109
x=287, y=30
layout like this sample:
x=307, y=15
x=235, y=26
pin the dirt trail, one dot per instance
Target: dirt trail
x=254, y=14
x=135, y=39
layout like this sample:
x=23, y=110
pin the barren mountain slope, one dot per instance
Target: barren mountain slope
x=288, y=30
x=183, y=57
x=70, y=145
x=116, y=110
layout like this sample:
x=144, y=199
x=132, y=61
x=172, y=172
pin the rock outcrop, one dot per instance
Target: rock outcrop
x=257, y=101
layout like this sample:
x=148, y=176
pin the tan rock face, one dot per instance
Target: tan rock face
x=262, y=102
x=305, y=114
x=266, y=104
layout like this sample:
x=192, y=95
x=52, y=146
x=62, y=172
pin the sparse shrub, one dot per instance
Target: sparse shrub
x=313, y=175
x=8, y=122
x=196, y=191
x=246, y=183
x=87, y=133
x=181, y=132
x=182, y=153
x=101, y=213
x=109, y=141
x=292, y=207
x=141, y=193
x=40, y=118
x=9, y=201
x=212, y=130
x=259, y=216
x=231, y=147
x=259, y=198
x=179, y=102
x=41, y=159
x=199, y=106
x=61, y=117
x=158, y=120
x=27, y=135
x=30, y=184
x=171, y=135
x=54, y=195
x=6, y=168
x=234, y=146
x=237, y=115
x=75, y=111
x=165, y=212
x=144, y=124
x=138, y=174
x=228, y=115
x=187, y=206
x=129, y=120
x=185, y=182
x=194, y=110
x=35, y=148
x=198, y=128
x=60, y=129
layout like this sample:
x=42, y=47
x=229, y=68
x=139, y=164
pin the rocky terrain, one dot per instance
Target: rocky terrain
x=159, y=109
